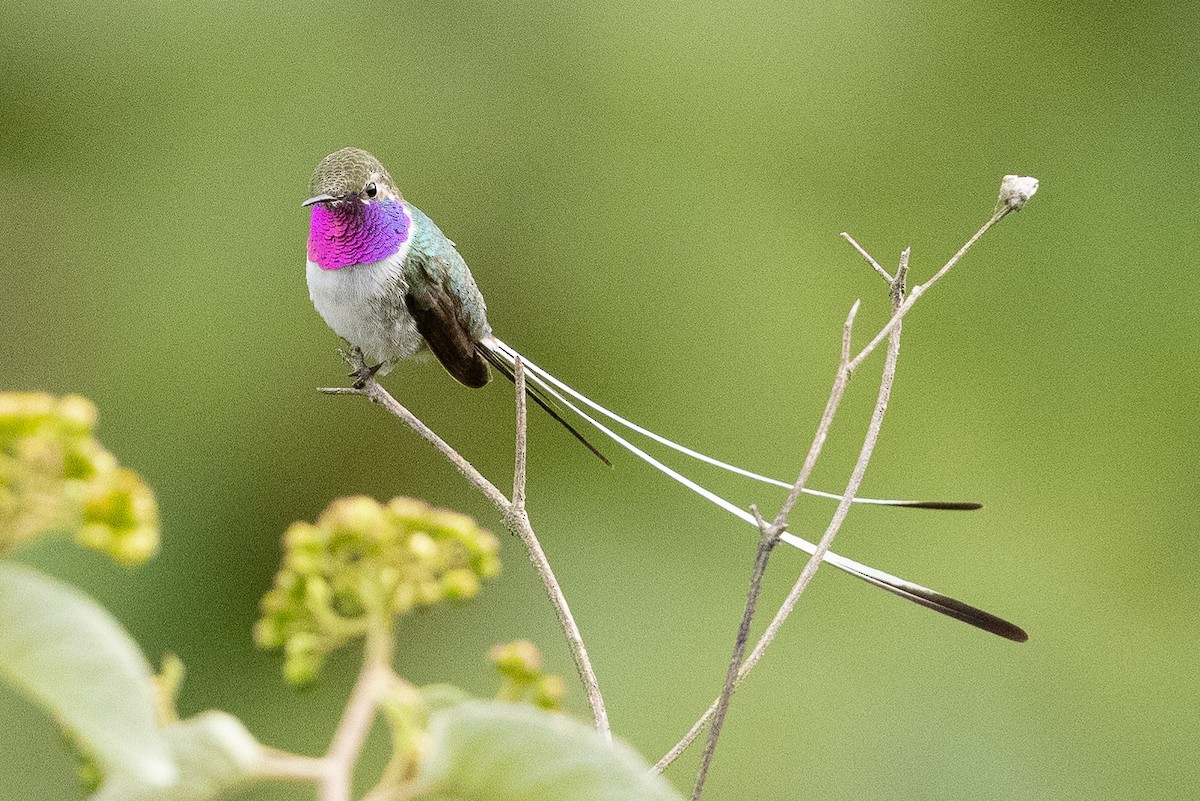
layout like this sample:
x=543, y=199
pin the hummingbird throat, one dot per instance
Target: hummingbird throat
x=353, y=232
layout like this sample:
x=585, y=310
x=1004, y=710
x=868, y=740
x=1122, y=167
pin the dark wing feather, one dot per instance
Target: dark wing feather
x=438, y=313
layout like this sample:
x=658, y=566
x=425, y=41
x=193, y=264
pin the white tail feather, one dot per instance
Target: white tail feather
x=509, y=353
x=924, y=596
x=548, y=383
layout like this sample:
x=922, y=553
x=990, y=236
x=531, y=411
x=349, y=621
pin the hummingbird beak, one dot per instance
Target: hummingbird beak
x=318, y=199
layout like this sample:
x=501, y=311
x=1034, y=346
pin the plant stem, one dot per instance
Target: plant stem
x=333, y=773
x=767, y=540
x=921, y=289
x=522, y=454
x=360, y=711
x=516, y=520
x=891, y=332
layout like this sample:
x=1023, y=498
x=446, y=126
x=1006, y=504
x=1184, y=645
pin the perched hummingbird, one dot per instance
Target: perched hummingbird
x=388, y=281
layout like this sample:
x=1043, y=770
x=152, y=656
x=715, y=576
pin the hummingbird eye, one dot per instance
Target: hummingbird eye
x=371, y=190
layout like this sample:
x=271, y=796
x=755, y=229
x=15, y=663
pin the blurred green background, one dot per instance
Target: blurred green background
x=650, y=196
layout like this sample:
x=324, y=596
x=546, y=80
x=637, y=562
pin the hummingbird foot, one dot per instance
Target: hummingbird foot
x=362, y=372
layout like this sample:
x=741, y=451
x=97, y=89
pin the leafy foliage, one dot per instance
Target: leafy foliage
x=212, y=753
x=350, y=574
x=65, y=651
x=496, y=751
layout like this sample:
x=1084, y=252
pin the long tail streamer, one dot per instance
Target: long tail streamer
x=546, y=389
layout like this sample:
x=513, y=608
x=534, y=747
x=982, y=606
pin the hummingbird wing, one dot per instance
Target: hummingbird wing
x=446, y=304
x=450, y=314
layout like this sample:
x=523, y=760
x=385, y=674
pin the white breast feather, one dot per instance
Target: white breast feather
x=364, y=305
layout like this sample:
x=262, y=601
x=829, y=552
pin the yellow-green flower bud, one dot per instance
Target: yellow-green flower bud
x=268, y=633
x=304, y=561
x=96, y=536
x=454, y=524
x=461, y=584
x=357, y=515
x=78, y=414
x=300, y=644
x=423, y=548
x=303, y=535
x=136, y=546
x=549, y=693
x=301, y=669
x=486, y=565
x=519, y=660
x=429, y=593
x=405, y=598
x=408, y=512
x=317, y=593
x=55, y=477
x=360, y=565
x=126, y=507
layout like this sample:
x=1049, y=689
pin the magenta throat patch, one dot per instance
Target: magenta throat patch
x=356, y=233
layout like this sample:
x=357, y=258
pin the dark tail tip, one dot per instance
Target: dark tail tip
x=978, y=618
x=946, y=506
x=950, y=607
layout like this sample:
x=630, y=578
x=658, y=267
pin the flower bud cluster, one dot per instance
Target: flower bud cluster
x=361, y=565
x=55, y=477
x=520, y=663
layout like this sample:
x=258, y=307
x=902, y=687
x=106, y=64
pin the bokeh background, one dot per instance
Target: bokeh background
x=650, y=196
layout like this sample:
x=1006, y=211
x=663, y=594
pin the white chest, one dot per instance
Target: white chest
x=364, y=305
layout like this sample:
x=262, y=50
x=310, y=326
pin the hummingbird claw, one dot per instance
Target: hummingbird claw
x=362, y=372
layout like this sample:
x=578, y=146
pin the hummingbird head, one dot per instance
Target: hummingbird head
x=358, y=216
x=350, y=174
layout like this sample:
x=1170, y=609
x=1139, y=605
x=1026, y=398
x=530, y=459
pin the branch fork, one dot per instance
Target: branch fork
x=1015, y=192
x=512, y=512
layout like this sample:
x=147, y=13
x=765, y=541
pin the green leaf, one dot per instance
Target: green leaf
x=213, y=752
x=438, y=697
x=69, y=654
x=495, y=751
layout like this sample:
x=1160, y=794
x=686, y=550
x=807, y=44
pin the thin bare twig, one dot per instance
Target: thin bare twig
x=583, y=664
x=716, y=712
x=767, y=540
x=333, y=772
x=841, y=379
x=780, y=523
x=870, y=259
x=864, y=455
x=518, y=494
x=516, y=520
x=920, y=289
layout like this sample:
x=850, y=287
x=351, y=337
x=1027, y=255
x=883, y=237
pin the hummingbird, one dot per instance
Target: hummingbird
x=388, y=281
